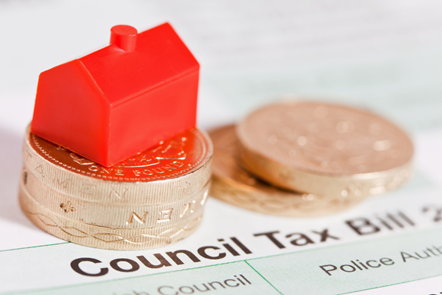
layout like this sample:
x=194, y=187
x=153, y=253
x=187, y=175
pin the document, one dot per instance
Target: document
x=383, y=56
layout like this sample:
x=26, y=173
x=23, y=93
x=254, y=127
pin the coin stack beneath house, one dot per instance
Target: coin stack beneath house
x=152, y=199
x=306, y=159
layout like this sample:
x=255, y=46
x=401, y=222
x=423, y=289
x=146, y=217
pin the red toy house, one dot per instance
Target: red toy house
x=121, y=99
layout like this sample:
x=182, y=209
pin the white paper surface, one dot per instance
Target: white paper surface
x=382, y=55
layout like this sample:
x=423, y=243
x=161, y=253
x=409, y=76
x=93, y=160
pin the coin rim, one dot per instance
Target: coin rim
x=52, y=200
x=323, y=184
x=88, y=235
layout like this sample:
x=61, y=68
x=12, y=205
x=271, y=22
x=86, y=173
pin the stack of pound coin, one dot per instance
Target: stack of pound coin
x=306, y=158
x=153, y=199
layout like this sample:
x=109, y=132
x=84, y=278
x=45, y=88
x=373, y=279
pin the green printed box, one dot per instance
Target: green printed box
x=355, y=267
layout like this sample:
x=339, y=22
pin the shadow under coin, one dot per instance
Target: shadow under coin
x=10, y=169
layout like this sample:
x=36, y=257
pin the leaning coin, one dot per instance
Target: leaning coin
x=325, y=149
x=234, y=185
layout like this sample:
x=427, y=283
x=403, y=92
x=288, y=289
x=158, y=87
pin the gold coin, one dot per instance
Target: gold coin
x=108, y=214
x=234, y=185
x=325, y=149
x=101, y=236
x=180, y=167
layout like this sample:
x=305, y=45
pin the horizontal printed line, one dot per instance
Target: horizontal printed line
x=31, y=247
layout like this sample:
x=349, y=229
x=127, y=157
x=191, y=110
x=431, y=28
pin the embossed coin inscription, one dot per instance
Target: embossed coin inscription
x=169, y=159
x=325, y=138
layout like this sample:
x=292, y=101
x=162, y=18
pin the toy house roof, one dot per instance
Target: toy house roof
x=159, y=56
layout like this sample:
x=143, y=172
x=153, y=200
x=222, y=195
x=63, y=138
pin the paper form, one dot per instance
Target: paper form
x=385, y=56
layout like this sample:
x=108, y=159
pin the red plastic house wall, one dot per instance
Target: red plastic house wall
x=122, y=99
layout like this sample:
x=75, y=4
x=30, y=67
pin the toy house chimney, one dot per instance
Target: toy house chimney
x=125, y=37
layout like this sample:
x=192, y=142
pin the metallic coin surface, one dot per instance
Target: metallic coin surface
x=112, y=215
x=169, y=159
x=236, y=186
x=324, y=149
x=180, y=167
x=101, y=236
x=153, y=199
